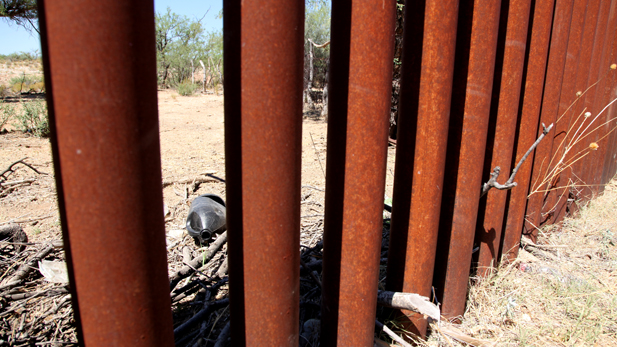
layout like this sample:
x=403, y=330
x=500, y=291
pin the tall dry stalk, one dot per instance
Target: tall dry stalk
x=575, y=135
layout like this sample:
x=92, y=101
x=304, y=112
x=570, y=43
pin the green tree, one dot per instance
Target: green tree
x=22, y=12
x=317, y=30
x=316, y=49
x=180, y=44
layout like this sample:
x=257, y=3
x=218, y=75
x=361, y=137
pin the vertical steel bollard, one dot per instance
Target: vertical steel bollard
x=602, y=99
x=263, y=56
x=543, y=162
x=360, y=85
x=534, y=84
x=465, y=160
x=611, y=153
x=581, y=84
x=595, y=72
x=555, y=205
x=500, y=145
x=100, y=59
x=426, y=89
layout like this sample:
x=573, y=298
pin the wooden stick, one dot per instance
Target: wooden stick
x=385, y=329
x=25, y=268
x=409, y=301
x=492, y=182
x=197, y=261
x=223, y=336
x=198, y=180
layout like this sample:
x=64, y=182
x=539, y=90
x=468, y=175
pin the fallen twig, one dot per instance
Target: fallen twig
x=6, y=173
x=197, y=180
x=17, y=183
x=25, y=268
x=492, y=182
x=393, y=336
x=223, y=336
x=461, y=337
x=529, y=243
x=222, y=271
x=28, y=220
x=198, y=317
x=198, y=261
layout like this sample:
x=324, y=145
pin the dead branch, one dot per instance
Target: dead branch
x=393, y=336
x=461, y=337
x=25, y=268
x=223, y=336
x=199, y=316
x=17, y=183
x=492, y=182
x=28, y=220
x=197, y=261
x=6, y=173
x=409, y=301
x=319, y=46
x=197, y=180
x=222, y=271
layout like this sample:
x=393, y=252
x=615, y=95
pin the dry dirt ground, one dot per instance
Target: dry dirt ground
x=9, y=70
x=191, y=132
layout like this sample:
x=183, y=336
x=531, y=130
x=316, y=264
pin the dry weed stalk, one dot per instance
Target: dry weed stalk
x=561, y=291
x=558, y=164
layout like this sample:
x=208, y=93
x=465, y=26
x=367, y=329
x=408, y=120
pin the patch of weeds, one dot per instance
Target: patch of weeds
x=4, y=91
x=37, y=231
x=6, y=112
x=186, y=88
x=24, y=84
x=33, y=119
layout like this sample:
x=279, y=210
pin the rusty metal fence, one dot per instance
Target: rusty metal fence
x=478, y=81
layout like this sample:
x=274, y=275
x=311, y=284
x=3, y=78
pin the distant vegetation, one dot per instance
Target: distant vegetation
x=21, y=56
x=182, y=45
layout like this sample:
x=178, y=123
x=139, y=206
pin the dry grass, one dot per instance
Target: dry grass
x=561, y=292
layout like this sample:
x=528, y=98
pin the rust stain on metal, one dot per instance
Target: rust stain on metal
x=425, y=96
x=359, y=108
x=501, y=139
x=543, y=162
x=534, y=84
x=469, y=125
x=264, y=45
x=108, y=151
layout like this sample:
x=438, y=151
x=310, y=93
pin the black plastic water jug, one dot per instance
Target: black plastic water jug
x=206, y=217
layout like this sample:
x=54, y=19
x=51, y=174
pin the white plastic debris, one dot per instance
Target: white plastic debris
x=54, y=271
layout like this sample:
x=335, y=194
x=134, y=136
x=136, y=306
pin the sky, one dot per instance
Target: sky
x=14, y=38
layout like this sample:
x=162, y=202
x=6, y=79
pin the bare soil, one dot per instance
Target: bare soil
x=192, y=144
x=191, y=132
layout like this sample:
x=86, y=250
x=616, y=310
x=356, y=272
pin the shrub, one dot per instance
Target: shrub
x=33, y=119
x=24, y=84
x=186, y=88
x=6, y=112
x=4, y=91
